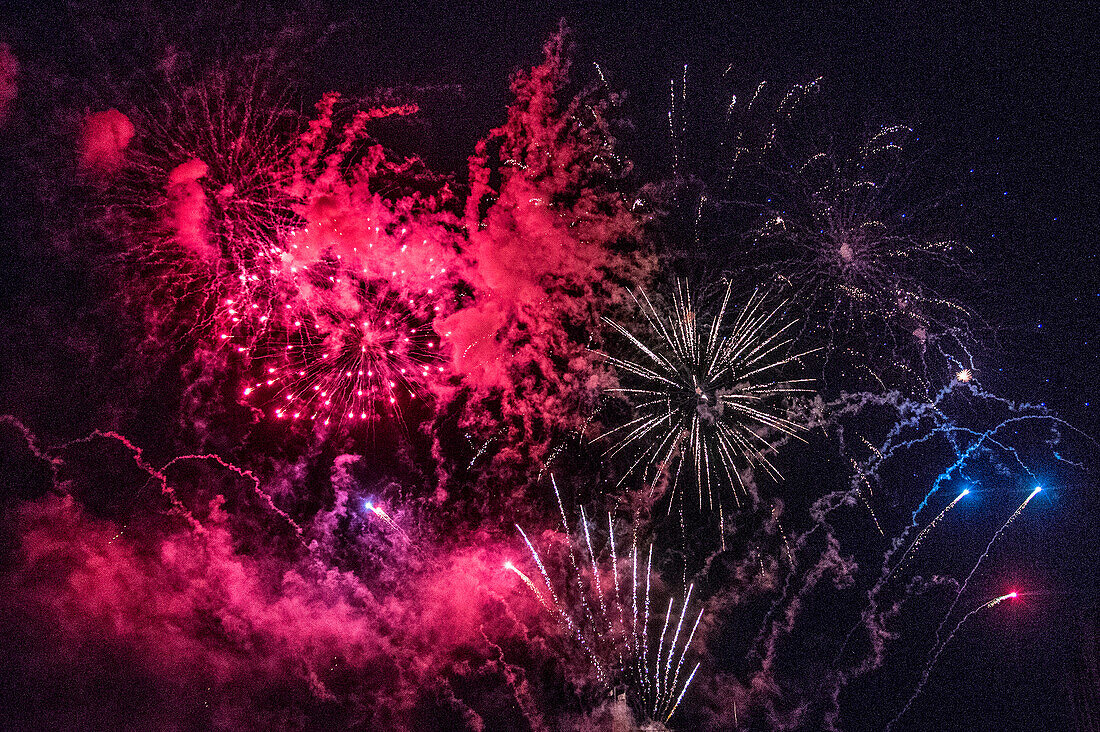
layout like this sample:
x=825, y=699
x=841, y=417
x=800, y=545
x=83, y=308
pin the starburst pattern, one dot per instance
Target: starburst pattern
x=614, y=622
x=709, y=394
x=846, y=227
x=329, y=365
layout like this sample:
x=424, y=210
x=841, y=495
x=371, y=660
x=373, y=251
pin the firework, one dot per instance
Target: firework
x=709, y=394
x=939, y=650
x=326, y=364
x=200, y=201
x=334, y=315
x=932, y=524
x=293, y=269
x=386, y=519
x=614, y=624
x=215, y=147
x=849, y=234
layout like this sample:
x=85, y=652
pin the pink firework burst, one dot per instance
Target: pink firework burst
x=350, y=364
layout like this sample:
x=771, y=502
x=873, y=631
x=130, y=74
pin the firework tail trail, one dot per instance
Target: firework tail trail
x=914, y=414
x=31, y=441
x=919, y=411
x=932, y=662
x=387, y=520
x=589, y=616
x=924, y=532
x=530, y=585
x=985, y=554
x=161, y=476
x=557, y=608
x=658, y=671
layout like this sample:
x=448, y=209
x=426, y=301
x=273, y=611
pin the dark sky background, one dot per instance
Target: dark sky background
x=1006, y=98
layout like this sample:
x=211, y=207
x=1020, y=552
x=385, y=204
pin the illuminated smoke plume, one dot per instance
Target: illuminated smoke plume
x=214, y=600
x=551, y=243
x=103, y=141
x=356, y=282
x=9, y=81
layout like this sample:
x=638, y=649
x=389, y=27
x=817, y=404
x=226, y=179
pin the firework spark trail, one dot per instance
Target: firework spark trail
x=982, y=558
x=935, y=657
x=531, y=585
x=660, y=652
x=683, y=690
x=647, y=681
x=545, y=577
x=866, y=500
x=663, y=681
x=924, y=532
x=783, y=535
x=595, y=568
x=558, y=611
x=680, y=664
x=386, y=519
x=589, y=615
x=624, y=650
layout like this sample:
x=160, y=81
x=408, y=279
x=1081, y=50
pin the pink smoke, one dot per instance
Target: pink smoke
x=188, y=209
x=103, y=142
x=9, y=88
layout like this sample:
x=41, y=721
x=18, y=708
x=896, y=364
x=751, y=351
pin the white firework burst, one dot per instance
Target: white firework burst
x=615, y=623
x=708, y=394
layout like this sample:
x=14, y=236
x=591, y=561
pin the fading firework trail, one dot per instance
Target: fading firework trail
x=935, y=657
x=939, y=647
x=924, y=532
x=985, y=554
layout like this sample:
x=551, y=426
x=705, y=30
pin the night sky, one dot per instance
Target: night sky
x=316, y=324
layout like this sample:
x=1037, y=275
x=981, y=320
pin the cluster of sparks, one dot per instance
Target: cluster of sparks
x=321, y=304
x=326, y=366
x=613, y=623
x=706, y=393
x=336, y=326
x=841, y=231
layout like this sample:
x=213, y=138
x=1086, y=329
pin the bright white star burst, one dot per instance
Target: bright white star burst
x=709, y=394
